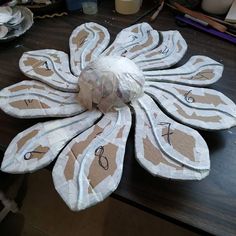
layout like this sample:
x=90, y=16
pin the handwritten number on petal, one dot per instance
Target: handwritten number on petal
x=165, y=147
x=90, y=167
x=39, y=145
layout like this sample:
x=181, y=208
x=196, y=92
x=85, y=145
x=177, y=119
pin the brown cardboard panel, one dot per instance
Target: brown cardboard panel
x=29, y=104
x=23, y=87
x=70, y=165
x=153, y=53
x=155, y=156
x=206, y=98
x=181, y=142
x=120, y=133
x=110, y=50
x=80, y=38
x=57, y=58
x=77, y=63
x=194, y=116
x=103, y=165
x=38, y=66
x=206, y=74
x=26, y=138
x=144, y=45
x=153, y=63
x=78, y=149
x=135, y=30
x=158, y=51
x=179, y=46
x=101, y=38
x=37, y=153
x=198, y=60
x=84, y=97
x=59, y=95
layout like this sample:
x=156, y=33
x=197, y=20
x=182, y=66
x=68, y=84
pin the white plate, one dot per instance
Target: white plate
x=16, y=19
x=5, y=14
x=21, y=28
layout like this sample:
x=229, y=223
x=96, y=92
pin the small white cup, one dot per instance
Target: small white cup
x=89, y=7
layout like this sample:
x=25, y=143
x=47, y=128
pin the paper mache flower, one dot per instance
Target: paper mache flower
x=97, y=89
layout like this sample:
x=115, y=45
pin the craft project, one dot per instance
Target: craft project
x=14, y=22
x=98, y=93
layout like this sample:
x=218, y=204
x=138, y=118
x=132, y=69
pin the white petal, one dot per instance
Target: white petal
x=169, y=52
x=133, y=41
x=198, y=71
x=90, y=167
x=39, y=145
x=86, y=43
x=212, y=111
x=167, y=148
x=30, y=99
x=51, y=67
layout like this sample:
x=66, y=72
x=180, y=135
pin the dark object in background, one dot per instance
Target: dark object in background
x=183, y=21
x=73, y=5
x=3, y=2
x=192, y=4
x=56, y=6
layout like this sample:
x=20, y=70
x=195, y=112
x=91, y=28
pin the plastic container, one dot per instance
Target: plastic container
x=127, y=7
x=90, y=7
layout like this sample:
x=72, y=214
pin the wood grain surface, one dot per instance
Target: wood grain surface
x=208, y=205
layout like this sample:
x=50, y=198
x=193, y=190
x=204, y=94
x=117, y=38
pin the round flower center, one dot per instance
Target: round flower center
x=110, y=82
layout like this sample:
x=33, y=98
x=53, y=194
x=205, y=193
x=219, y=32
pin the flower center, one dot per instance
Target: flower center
x=110, y=82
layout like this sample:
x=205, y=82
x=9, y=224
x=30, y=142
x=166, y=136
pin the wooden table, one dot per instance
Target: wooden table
x=208, y=205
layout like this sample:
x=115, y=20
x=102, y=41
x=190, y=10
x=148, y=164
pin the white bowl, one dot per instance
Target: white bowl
x=21, y=28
